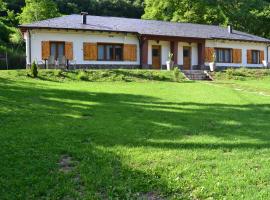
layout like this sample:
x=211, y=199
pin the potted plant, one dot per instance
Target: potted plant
x=265, y=63
x=170, y=62
x=212, y=64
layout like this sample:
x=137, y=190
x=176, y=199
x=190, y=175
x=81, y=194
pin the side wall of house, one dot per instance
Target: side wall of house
x=26, y=37
x=78, y=38
x=244, y=46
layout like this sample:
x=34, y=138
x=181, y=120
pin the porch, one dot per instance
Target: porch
x=188, y=53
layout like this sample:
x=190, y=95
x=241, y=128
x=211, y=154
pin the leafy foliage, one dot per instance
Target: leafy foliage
x=36, y=10
x=247, y=15
x=108, y=75
x=241, y=74
x=34, y=70
x=176, y=73
x=82, y=76
x=122, y=8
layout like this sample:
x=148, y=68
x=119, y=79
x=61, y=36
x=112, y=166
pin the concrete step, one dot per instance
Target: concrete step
x=196, y=75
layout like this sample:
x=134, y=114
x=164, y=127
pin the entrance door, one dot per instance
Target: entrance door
x=187, y=58
x=156, y=56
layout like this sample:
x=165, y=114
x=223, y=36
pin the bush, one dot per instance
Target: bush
x=176, y=74
x=34, y=70
x=82, y=75
x=242, y=73
x=58, y=72
x=229, y=73
x=108, y=75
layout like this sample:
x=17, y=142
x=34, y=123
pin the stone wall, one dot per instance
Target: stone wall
x=85, y=66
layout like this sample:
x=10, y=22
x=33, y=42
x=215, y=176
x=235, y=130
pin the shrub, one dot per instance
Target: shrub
x=229, y=73
x=82, y=75
x=58, y=72
x=243, y=72
x=34, y=70
x=176, y=74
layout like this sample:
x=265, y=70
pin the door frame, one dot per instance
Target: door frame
x=160, y=56
x=190, y=56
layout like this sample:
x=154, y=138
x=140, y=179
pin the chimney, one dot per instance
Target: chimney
x=84, y=17
x=230, y=30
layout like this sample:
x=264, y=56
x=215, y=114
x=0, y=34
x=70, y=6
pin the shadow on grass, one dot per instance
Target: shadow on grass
x=85, y=123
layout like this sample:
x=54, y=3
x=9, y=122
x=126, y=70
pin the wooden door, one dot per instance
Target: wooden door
x=187, y=58
x=156, y=56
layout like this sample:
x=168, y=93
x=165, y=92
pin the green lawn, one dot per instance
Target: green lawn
x=134, y=140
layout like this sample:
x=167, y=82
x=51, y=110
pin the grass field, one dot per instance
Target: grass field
x=134, y=140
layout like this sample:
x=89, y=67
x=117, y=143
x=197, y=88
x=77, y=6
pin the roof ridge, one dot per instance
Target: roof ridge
x=154, y=20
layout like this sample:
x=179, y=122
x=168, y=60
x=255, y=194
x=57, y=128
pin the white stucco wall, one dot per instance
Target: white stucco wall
x=268, y=54
x=238, y=45
x=26, y=38
x=194, y=53
x=78, y=38
x=165, y=49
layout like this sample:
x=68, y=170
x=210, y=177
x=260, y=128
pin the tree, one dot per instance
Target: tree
x=36, y=10
x=4, y=29
x=245, y=15
x=123, y=8
x=3, y=7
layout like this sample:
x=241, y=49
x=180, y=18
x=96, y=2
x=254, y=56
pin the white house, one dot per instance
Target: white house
x=84, y=41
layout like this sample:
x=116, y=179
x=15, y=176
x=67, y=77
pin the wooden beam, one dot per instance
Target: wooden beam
x=174, y=50
x=144, y=53
x=173, y=38
x=201, y=53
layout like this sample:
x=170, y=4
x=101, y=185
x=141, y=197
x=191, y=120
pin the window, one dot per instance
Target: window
x=255, y=57
x=57, y=50
x=186, y=53
x=110, y=52
x=223, y=55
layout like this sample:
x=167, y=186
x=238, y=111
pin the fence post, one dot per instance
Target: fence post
x=7, y=60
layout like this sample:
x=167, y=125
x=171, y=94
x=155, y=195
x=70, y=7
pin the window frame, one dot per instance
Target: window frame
x=56, y=49
x=258, y=57
x=223, y=49
x=105, y=51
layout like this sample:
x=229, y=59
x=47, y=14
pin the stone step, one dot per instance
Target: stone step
x=193, y=72
x=196, y=75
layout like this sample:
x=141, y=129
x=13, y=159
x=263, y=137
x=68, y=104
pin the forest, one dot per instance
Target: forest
x=252, y=16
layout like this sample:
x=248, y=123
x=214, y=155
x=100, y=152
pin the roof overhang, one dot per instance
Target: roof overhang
x=25, y=28
x=173, y=38
x=254, y=41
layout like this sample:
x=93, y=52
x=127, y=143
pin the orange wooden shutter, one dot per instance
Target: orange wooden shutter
x=237, y=55
x=90, y=51
x=209, y=52
x=249, y=56
x=45, y=48
x=261, y=56
x=130, y=52
x=69, y=50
